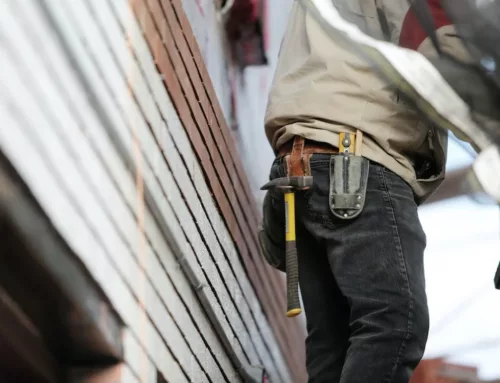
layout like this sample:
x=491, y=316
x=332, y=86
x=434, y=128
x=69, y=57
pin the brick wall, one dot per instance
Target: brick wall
x=108, y=114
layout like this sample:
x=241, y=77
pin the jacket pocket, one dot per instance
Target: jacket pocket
x=434, y=166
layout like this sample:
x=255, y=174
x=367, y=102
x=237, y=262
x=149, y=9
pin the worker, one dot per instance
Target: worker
x=360, y=242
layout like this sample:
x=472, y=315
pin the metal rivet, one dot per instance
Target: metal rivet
x=345, y=215
x=359, y=197
x=358, y=205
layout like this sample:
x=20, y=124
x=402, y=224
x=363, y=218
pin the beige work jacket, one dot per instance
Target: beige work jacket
x=320, y=88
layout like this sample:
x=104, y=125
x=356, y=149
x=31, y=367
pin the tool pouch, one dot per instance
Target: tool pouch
x=271, y=238
x=348, y=183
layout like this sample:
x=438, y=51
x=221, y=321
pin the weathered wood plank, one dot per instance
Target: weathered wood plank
x=180, y=175
x=94, y=170
x=44, y=183
x=100, y=221
x=206, y=146
x=18, y=87
x=104, y=183
x=203, y=195
x=186, y=187
x=266, y=278
x=136, y=117
x=268, y=297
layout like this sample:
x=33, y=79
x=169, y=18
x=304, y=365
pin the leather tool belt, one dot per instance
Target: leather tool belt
x=348, y=171
x=298, y=152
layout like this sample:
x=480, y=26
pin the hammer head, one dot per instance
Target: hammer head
x=287, y=183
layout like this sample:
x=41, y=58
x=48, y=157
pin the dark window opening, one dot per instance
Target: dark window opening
x=54, y=318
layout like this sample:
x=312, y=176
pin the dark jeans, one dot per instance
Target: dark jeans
x=362, y=280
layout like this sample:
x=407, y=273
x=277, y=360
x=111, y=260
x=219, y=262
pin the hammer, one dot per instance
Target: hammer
x=288, y=185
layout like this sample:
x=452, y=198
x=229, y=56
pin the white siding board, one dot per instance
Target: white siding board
x=108, y=203
x=47, y=189
x=182, y=142
x=169, y=185
x=57, y=151
x=78, y=186
x=179, y=232
x=91, y=247
x=205, y=226
x=198, y=180
x=217, y=226
x=137, y=359
x=129, y=271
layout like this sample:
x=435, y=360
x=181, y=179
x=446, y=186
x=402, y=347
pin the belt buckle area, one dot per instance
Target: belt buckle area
x=310, y=147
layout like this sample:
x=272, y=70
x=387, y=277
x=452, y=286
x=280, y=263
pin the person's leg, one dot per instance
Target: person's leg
x=326, y=310
x=377, y=261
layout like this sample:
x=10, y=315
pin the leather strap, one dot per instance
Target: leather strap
x=298, y=162
x=298, y=153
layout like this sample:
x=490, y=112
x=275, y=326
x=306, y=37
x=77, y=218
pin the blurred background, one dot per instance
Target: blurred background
x=462, y=254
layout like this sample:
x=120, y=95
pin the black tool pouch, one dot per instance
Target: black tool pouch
x=271, y=235
x=348, y=183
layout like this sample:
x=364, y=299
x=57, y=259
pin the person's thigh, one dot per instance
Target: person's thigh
x=326, y=310
x=377, y=261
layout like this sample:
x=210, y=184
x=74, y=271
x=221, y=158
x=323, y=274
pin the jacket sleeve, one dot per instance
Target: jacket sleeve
x=451, y=44
x=405, y=30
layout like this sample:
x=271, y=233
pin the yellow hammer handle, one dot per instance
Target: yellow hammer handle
x=292, y=266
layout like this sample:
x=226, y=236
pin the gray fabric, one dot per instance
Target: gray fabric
x=348, y=180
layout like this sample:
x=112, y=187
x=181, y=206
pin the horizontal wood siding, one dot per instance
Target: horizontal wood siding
x=177, y=56
x=137, y=191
